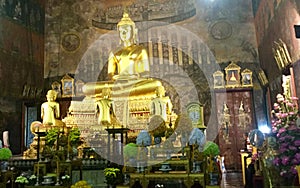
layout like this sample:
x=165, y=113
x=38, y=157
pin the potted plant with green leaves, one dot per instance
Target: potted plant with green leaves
x=113, y=176
x=130, y=153
x=74, y=140
x=51, y=137
x=211, y=151
x=21, y=181
x=5, y=154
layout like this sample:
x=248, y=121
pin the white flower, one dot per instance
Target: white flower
x=65, y=177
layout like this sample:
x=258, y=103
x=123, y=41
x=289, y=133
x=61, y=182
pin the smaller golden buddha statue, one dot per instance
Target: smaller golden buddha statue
x=161, y=105
x=50, y=109
x=50, y=112
x=105, y=110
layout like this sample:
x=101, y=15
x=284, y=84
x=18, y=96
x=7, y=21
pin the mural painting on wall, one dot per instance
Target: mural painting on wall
x=164, y=12
x=16, y=10
x=70, y=42
x=221, y=30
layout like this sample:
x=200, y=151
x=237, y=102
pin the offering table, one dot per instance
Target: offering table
x=187, y=179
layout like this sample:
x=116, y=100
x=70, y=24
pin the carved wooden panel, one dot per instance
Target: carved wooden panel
x=240, y=120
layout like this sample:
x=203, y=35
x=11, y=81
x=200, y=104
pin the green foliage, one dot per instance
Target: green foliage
x=112, y=175
x=74, y=136
x=211, y=149
x=51, y=136
x=130, y=150
x=22, y=180
x=5, y=154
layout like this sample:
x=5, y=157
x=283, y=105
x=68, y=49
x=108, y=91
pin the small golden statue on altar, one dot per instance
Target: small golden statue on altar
x=161, y=105
x=50, y=109
x=49, y=113
x=105, y=110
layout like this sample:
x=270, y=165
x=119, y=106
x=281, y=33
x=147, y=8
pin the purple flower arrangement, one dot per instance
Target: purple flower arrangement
x=287, y=134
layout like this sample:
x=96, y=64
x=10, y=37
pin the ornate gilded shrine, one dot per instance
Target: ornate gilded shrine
x=129, y=99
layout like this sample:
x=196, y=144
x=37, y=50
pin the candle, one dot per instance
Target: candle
x=255, y=138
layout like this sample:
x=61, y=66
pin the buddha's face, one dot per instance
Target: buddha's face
x=125, y=32
x=50, y=98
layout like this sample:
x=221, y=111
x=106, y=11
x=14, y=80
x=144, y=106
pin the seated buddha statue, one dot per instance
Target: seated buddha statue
x=128, y=66
x=131, y=60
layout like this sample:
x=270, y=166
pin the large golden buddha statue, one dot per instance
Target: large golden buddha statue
x=132, y=91
x=128, y=66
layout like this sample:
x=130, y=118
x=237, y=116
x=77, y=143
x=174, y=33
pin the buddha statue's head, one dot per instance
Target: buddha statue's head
x=160, y=91
x=127, y=30
x=106, y=92
x=51, y=95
